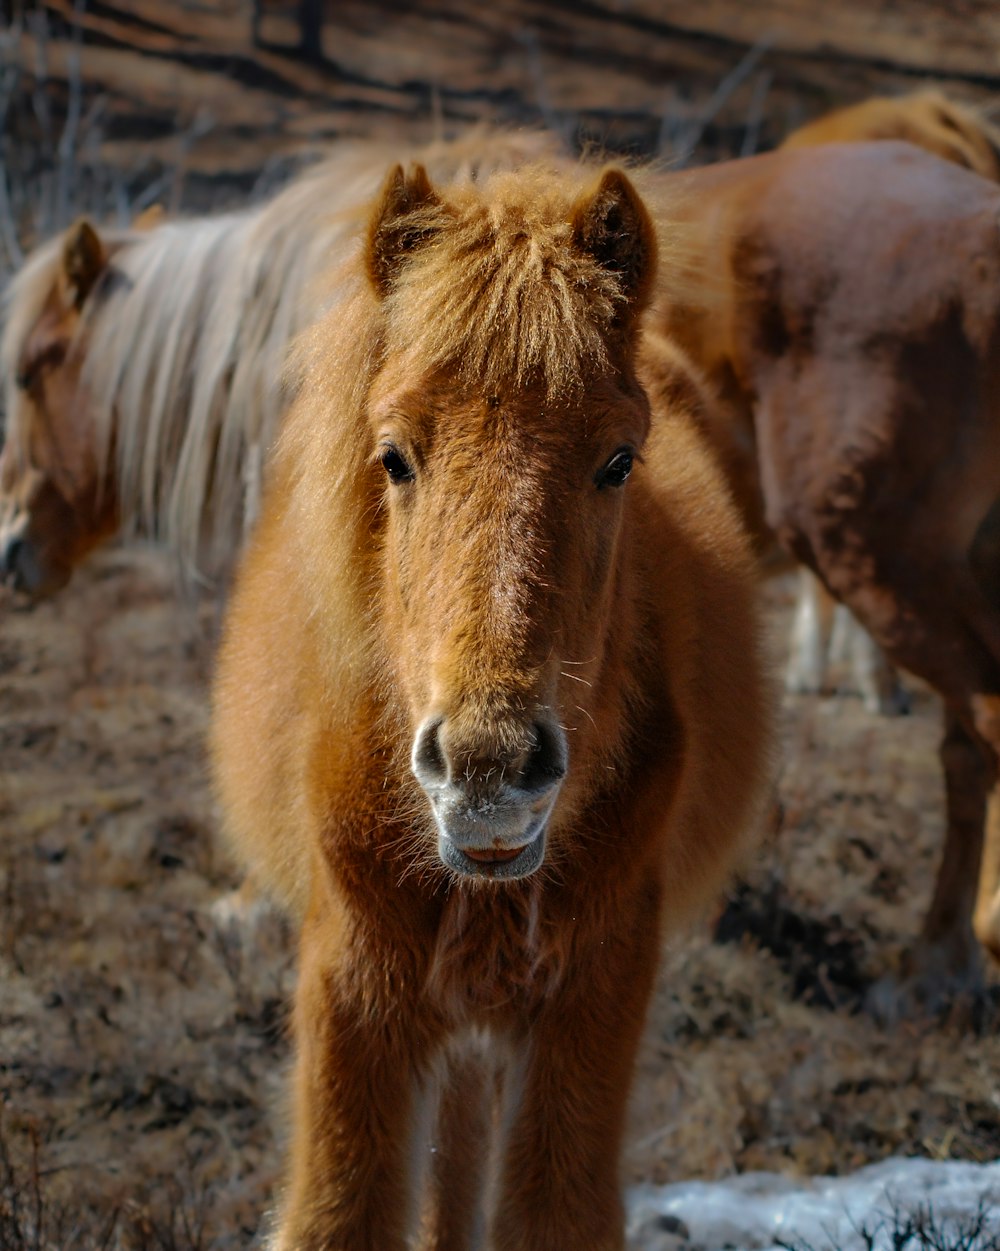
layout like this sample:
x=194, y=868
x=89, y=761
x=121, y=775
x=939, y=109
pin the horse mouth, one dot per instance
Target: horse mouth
x=495, y=855
x=498, y=864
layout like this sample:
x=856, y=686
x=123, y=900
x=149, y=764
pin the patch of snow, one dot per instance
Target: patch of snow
x=761, y=1211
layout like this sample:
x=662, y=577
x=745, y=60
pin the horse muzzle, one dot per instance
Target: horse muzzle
x=23, y=571
x=491, y=813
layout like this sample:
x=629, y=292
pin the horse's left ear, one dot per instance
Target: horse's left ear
x=400, y=221
x=83, y=260
x=613, y=225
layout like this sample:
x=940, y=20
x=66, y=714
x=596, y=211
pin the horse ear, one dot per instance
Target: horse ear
x=399, y=223
x=83, y=260
x=613, y=225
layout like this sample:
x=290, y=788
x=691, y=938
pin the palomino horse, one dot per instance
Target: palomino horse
x=939, y=125
x=854, y=338
x=143, y=369
x=488, y=714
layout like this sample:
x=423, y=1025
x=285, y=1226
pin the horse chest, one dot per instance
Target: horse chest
x=495, y=955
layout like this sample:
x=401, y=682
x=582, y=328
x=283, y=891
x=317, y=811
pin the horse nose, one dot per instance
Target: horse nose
x=10, y=555
x=444, y=757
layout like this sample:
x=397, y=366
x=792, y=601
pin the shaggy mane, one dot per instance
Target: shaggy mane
x=500, y=293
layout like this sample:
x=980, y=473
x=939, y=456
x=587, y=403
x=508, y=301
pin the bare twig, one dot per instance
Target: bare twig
x=691, y=135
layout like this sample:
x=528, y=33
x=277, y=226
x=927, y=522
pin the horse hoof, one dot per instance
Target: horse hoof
x=929, y=993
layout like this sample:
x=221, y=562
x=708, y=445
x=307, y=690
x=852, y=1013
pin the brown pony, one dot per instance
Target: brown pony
x=489, y=716
x=143, y=369
x=853, y=336
x=931, y=121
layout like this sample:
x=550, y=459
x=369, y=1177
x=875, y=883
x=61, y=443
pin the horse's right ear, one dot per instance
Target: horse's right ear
x=400, y=221
x=84, y=257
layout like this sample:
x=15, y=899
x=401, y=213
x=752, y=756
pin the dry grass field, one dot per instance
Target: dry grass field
x=143, y=1037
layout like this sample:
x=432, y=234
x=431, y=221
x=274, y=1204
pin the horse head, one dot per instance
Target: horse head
x=505, y=419
x=53, y=505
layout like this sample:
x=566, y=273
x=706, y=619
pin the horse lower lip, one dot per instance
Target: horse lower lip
x=493, y=855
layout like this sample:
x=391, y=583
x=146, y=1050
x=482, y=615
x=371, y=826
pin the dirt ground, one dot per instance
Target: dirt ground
x=142, y=1037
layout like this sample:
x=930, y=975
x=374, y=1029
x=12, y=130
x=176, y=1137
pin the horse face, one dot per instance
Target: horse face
x=504, y=522
x=52, y=509
x=504, y=516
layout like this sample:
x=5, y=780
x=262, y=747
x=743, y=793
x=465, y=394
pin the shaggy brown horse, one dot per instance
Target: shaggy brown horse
x=939, y=125
x=143, y=369
x=489, y=712
x=854, y=339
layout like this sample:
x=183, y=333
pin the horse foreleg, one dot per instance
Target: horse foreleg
x=454, y=1220
x=356, y=1091
x=559, y=1185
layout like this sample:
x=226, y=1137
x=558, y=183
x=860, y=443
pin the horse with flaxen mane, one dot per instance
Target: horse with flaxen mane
x=143, y=369
x=489, y=711
x=853, y=339
x=931, y=121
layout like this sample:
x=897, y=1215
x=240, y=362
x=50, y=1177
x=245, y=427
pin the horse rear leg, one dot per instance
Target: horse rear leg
x=936, y=624
x=947, y=944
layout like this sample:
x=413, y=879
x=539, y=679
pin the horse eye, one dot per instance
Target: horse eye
x=616, y=470
x=395, y=465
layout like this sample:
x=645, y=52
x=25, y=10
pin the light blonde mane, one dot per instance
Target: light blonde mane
x=186, y=338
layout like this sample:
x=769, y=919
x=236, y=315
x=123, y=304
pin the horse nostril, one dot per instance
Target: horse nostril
x=548, y=760
x=428, y=761
x=9, y=556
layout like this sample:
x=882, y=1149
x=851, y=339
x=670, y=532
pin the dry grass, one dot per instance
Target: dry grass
x=142, y=1041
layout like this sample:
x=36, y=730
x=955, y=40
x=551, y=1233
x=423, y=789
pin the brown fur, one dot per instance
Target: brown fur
x=931, y=121
x=927, y=119
x=858, y=353
x=500, y=597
